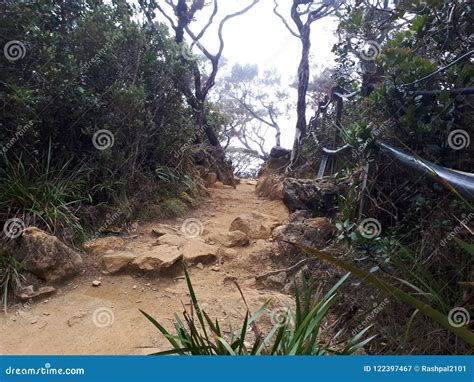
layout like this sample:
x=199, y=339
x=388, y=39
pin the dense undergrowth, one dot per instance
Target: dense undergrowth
x=92, y=124
x=398, y=224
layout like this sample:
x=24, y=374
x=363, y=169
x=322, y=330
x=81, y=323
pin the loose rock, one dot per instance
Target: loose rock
x=45, y=256
x=161, y=257
x=252, y=225
x=118, y=261
x=315, y=195
x=76, y=318
x=211, y=178
x=171, y=239
x=233, y=239
x=104, y=244
x=195, y=251
x=163, y=229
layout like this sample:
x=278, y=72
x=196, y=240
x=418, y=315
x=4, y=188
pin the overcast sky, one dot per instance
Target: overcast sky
x=259, y=37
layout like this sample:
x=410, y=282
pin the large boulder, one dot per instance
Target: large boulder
x=278, y=152
x=277, y=162
x=232, y=239
x=315, y=195
x=46, y=257
x=252, y=224
x=157, y=259
x=195, y=251
x=312, y=232
x=117, y=261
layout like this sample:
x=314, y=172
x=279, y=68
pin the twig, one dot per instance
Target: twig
x=259, y=277
x=253, y=324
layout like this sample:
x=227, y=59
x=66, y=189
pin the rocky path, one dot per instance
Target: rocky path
x=85, y=319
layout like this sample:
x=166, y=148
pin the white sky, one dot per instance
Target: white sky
x=259, y=37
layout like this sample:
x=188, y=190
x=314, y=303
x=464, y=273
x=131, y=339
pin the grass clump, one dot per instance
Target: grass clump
x=10, y=277
x=297, y=334
x=43, y=196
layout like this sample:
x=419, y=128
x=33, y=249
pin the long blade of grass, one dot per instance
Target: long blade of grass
x=469, y=248
x=195, y=302
x=226, y=345
x=427, y=310
x=160, y=328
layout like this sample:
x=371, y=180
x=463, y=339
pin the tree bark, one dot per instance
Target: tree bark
x=303, y=80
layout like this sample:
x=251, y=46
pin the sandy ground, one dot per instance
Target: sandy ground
x=82, y=319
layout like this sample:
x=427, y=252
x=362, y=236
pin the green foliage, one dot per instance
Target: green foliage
x=94, y=68
x=10, y=277
x=44, y=196
x=297, y=334
x=174, y=207
x=435, y=315
x=424, y=44
x=421, y=53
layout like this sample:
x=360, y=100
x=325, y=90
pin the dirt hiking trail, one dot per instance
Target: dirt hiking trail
x=83, y=319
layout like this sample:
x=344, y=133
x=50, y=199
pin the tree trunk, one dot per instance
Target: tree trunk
x=303, y=80
x=277, y=136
